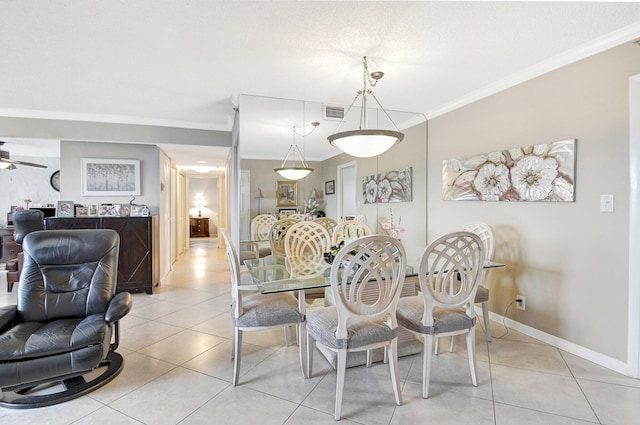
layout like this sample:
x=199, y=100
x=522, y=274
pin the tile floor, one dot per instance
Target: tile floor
x=177, y=342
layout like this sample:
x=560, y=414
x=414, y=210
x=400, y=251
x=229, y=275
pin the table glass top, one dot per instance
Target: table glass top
x=280, y=274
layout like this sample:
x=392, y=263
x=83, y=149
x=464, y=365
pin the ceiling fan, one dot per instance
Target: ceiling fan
x=7, y=163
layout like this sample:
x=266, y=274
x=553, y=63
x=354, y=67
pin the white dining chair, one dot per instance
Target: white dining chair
x=277, y=235
x=305, y=244
x=252, y=311
x=260, y=228
x=328, y=223
x=348, y=230
x=485, y=232
x=449, y=272
x=357, y=323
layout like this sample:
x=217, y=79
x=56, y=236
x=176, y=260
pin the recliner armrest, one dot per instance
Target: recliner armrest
x=8, y=315
x=119, y=306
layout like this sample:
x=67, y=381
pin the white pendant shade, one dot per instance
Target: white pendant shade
x=365, y=143
x=4, y=165
x=294, y=173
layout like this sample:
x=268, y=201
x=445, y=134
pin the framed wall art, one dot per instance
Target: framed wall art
x=390, y=186
x=110, y=177
x=535, y=173
x=330, y=187
x=286, y=193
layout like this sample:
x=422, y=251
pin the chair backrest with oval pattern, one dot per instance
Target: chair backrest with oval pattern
x=306, y=238
x=277, y=234
x=348, y=230
x=261, y=226
x=328, y=223
x=449, y=272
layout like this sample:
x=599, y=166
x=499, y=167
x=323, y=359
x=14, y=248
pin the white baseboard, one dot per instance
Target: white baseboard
x=570, y=347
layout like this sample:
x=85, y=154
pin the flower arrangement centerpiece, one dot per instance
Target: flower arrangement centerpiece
x=392, y=229
x=311, y=207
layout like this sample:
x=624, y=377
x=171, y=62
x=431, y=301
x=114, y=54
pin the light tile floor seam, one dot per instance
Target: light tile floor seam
x=595, y=413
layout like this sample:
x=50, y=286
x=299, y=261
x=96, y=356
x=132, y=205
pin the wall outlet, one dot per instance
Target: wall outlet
x=522, y=303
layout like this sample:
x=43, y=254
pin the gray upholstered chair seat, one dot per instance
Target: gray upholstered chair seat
x=322, y=324
x=268, y=310
x=482, y=295
x=411, y=309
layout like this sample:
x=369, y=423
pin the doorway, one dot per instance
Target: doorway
x=203, y=204
x=347, y=191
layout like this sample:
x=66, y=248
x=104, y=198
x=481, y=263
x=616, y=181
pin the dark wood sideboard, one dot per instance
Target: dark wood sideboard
x=138, y=262
x=9, y=249
x=199, y=227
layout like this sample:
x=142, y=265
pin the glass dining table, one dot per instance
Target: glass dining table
x=273, y=274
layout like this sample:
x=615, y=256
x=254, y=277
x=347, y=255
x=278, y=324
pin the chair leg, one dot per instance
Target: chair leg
x=437, y=348
x=485, y=314
x=301, y=332
x=471, y=352
x=392, y=350
x=369, y=357
x=340, y=372
x=309, y=361
x=452, y=343
x=426, y=365
x=286, y=336
x=237, y=347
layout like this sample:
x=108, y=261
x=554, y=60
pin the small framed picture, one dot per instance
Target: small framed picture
x=139, y=211
x=330, y=187
x=65, y=209
x=92, y=210
x=286, y=193
x=82, y=211
x=125, y=210
x=109, y=210
x=135, y=211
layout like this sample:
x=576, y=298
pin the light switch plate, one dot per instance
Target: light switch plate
x=606, y=203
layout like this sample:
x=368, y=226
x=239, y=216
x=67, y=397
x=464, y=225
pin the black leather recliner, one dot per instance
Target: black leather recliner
x=24, y=222
x=65, y=323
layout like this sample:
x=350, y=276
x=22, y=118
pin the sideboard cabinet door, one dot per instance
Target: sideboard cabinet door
x=137, y=265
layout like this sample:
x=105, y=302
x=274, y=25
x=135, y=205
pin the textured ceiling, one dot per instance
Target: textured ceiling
x=182, y=63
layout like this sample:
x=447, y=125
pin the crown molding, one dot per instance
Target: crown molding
x=611, y=40
x=112, y=119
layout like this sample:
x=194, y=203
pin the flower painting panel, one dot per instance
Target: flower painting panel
x=390, y=186
x=534, y=173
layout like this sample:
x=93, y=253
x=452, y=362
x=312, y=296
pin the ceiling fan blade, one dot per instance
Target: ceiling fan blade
x=30, y=164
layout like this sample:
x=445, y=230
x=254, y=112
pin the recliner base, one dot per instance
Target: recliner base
x=75, y=387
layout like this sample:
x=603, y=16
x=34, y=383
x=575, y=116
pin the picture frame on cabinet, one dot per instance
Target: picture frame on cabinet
x=65, y=209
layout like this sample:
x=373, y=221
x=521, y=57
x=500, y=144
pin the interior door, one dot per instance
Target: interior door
x=347, y=191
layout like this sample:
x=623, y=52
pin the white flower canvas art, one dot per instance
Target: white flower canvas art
x=390, y=186
x=543, y=172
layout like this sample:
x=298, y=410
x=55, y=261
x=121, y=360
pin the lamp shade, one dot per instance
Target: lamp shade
x=259, y=193
x=365, y=143
x=294, y=173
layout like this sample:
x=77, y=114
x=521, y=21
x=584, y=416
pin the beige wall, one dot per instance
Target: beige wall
x=569, y=260
x=71, y=154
